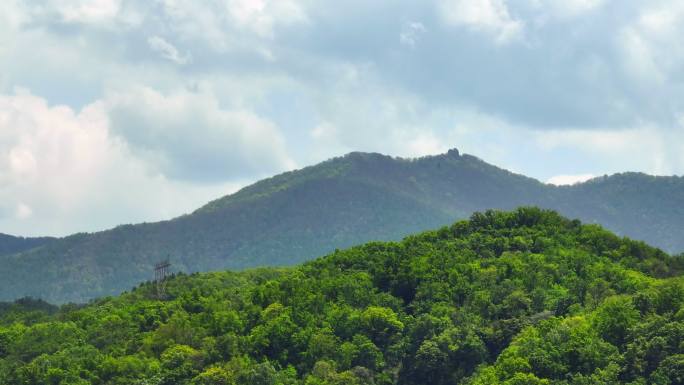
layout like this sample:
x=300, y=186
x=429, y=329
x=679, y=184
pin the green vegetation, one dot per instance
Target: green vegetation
x=11, y=245
x=522, y=297
x=339, y=203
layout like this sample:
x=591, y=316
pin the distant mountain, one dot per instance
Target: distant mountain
x=645, y=207
x=10, y=244
x=344, y=201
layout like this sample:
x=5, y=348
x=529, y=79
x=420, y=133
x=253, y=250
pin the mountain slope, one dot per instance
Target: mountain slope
x=523, y=297
x=345, y=201
x=646, y=207
x=10, y=244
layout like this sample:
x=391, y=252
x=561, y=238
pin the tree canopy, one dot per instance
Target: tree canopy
x=521, y=297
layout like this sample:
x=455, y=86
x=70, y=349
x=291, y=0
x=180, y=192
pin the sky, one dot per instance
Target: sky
x=119, y=111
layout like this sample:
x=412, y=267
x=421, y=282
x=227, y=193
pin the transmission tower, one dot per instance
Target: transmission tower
x=161, y=272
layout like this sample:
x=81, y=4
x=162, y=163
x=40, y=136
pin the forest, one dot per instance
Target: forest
x=519, y=297
x=345, y=201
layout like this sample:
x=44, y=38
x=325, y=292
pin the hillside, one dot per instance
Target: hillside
x=342, y=202
x=522, y=297
x=10, y=244
x=646, y=207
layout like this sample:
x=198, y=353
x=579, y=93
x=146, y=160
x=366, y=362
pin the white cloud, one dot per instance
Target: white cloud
x=261, y=16
x=62, y=171
x=645, y=149
x=87, y=11
x=596, y=88
x=575, y=7
x=411, y=32
x=425, y=143
x=189, y=136
x=231, y=24
x=12, y=16
x=167, y=50
x=50, y=157
x=607, y=141
x=23, y=211
x=651, y=53
x=560, y=180
x=360, y=114
x=324, y=131
x=661, y=19
x=640, y=59
x=567, y=8
x=491, y=16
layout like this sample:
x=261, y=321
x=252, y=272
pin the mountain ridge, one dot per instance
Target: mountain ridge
x=348, y=200
x=10, y=244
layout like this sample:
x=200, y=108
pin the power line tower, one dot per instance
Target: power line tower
x=161, y=272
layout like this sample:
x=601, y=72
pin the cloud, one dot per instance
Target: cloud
x=650, y=55
x=167, y=50
x=52, y=159
x=358, y=113
x=560, y=180
x=575, y=7
x=13, y=15
x=63, y=171
x=644, y=149
x=545, y=88
x=231, y=24
x=261, y=16
x=609, y=141
x=188, y=136
x=70, y=15
x=490, y=16
x=567, y=8
x=23, y=211
x=87, y=11
x=410, y=33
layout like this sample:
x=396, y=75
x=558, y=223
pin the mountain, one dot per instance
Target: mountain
x=10, y=244
x=646, y=207
x=523, y=297
x=344, y=201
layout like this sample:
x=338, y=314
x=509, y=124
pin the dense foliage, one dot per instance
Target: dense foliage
x=343, y=202
x=523, y=297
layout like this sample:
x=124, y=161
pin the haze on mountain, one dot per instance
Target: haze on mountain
x=344, y=201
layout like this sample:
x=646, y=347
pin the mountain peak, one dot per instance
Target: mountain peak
x=453, y=153
x=344, y=201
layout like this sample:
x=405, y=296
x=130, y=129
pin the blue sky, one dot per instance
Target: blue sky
x=117, y=111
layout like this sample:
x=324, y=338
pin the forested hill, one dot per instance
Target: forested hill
x=342, y=202
x=524, y=297
x=10, y=244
